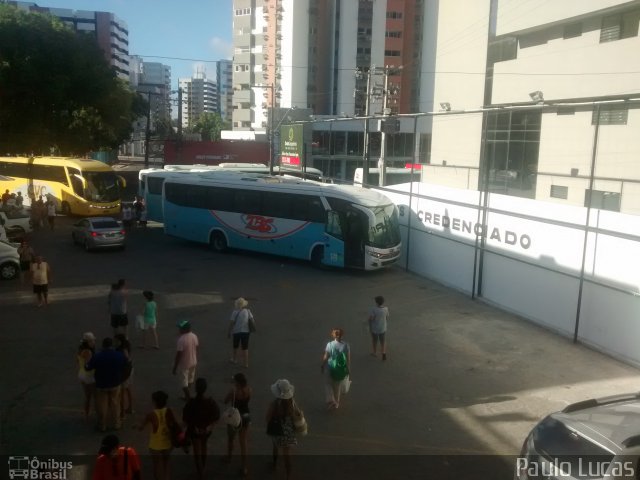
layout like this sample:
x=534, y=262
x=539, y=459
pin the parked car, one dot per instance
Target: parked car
x=98, y=232
x=9, y=261
x=17, y=224
x=592, y=439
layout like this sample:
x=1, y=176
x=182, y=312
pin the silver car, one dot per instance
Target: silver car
x=98, y=232
x=592, y=439
x=9, y=261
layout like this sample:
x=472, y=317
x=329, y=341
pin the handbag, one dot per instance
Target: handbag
x=178, y=435
x=274, y=427
x=299, y=422
x=346, y=385
x=231, y=415
x=140, y=322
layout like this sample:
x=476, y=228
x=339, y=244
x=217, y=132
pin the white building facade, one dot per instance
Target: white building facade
x=567, y=79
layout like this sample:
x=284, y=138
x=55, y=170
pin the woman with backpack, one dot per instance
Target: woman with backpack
x=337, y=357
x=239, y=397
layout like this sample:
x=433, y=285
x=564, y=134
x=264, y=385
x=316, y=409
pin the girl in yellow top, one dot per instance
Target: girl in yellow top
x=161, y=420
x=85, y=352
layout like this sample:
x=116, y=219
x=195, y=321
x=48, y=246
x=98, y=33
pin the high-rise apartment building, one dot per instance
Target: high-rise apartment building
x=304, y=54
x=224, y=74
x=111, y=33
x=199, y=95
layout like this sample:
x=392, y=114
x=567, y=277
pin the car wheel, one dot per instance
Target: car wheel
x=9, y=271
x=66, y=209
x=87, y=247
x=316, y=256
x=218, y=242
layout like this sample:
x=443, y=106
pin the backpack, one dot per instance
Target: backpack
x=338, y=365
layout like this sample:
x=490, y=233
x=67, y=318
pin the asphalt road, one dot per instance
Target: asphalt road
x=463, y=385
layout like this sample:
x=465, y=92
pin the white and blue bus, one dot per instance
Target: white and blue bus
x=333, y=225
x=150, y=180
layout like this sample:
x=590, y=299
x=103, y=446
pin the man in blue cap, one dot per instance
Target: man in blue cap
x=186, y=357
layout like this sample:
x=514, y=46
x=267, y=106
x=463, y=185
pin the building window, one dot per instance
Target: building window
x=392, y=53
x=572, y=30
x=394, y=15
x=511, y=156
x=617, y=27
x=394, y=34
x=558, y=191
x=242, y=11
x=602, y=200
x=611, y=115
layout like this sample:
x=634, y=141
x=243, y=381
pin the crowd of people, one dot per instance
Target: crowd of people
x=104, y=374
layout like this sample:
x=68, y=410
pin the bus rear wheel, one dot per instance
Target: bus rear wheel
x=316, y=256
x=218, y=242
x=66, y=208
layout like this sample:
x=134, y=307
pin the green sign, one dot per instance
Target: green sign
x=292, y=146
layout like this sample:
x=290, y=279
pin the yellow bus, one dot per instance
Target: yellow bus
x=78, y=186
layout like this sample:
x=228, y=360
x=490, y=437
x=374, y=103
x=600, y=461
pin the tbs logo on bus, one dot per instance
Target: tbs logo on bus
x=259, y=223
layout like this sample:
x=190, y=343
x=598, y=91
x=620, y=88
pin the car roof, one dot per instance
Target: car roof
x=101, y=219
x=611, y=422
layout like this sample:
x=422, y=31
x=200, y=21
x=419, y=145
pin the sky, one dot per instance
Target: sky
x=184, y=34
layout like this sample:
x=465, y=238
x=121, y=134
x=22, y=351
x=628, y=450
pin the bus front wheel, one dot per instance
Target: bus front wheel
x=316, y=256
x=66, y=208
x=218, y=242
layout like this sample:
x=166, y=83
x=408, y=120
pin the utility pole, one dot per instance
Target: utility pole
x=273, y=107
x=367, y=94
x=386, y=125
x=147, y=132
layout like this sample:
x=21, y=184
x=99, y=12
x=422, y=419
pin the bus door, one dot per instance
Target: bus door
x=354, y=225
x=333, y=241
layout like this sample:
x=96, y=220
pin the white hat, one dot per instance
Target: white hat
x=282, y=389
x=87, y=336
x=241, y=303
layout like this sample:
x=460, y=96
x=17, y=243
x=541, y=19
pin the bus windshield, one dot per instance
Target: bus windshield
x=385, y=231
x=101, y=186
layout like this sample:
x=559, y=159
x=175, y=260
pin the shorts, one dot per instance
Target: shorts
x=378, y=336
x=241, y=339
x=119, y=320
x=41, y=288
x=187, y=376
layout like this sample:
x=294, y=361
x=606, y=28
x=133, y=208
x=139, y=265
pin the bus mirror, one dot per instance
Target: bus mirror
x=122, y=181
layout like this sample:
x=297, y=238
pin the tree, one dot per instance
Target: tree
x=209, y=125
x=57, y=90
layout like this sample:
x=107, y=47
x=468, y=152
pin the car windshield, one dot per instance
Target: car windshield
x=563, y=446
x=385, y=230
x=101, y=186
x=105, y=224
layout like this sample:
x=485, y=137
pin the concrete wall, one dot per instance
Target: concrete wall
x=532, y=260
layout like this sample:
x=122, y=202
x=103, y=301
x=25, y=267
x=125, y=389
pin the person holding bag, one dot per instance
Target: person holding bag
x=282, y=416
x=337, y=356
x=162, y=420
x=240, y=327
x=238, y=398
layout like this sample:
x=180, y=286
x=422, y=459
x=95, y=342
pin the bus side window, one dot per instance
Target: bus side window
x=333, y=224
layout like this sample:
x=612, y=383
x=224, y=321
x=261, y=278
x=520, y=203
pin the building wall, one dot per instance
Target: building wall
x=224, y=71
x=295, y=53
x=460, y=59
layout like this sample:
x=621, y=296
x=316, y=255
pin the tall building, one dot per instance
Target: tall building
x=224, y=77
x=562, y=84
x=199, y=95
x=111, y=33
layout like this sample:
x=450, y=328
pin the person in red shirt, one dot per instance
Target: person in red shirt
x=116, y=462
